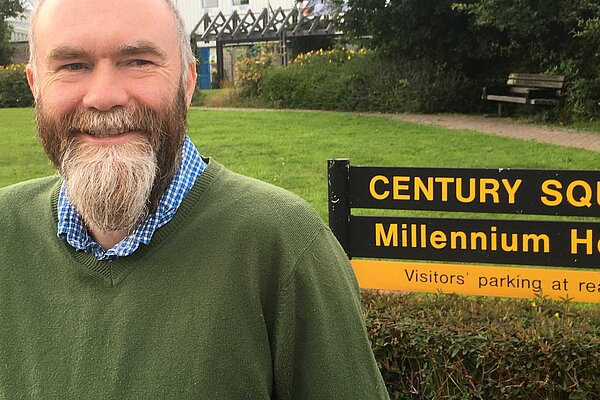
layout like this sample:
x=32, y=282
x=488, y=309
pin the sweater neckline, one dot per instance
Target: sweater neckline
x=115, y=271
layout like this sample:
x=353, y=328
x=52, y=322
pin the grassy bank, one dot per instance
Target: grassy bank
x=290, y=149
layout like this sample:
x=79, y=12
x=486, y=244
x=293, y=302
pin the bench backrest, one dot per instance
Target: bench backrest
x=536, y=81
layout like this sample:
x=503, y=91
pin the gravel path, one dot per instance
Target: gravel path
x=506, y=127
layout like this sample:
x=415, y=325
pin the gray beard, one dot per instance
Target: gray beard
x=115, y=187
x=110, y=186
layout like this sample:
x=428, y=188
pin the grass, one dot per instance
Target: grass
x=21, y=156
x=291, y=149
x=588, y=126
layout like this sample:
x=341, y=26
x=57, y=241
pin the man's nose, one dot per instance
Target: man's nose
x=106, y=89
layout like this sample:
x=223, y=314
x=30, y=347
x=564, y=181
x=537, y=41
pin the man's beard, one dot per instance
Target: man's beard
x=114, y=187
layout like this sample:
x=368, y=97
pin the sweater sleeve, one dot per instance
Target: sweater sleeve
x=321, y=348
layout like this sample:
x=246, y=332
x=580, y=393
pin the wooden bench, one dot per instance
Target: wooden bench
x=534, y=89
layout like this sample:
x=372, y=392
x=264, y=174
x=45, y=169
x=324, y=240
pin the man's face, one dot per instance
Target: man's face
x=108, y=80
x=106, y=54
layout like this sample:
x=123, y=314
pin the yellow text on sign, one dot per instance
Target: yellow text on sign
x=577, y=193
x=479, y=280
x=409, y=188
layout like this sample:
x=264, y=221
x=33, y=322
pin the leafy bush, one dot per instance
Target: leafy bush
x=198, y=98
x=457, y=347
x=361, y=81
x=14, y=90
x=250, y=69
x=414, y=29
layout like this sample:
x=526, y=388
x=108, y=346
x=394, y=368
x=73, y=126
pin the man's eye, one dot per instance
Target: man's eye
x=74, y=67
x=140, y=63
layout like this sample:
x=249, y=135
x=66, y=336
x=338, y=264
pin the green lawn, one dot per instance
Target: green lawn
x=290, y=149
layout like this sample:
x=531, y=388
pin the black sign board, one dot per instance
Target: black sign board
x=503, y=191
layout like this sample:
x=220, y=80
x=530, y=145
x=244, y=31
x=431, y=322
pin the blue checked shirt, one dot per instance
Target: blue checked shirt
x=72, y=229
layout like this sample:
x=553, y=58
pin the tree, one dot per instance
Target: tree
x=484, y=40
x=8, y=9
x=556, y=36
x=430, y=30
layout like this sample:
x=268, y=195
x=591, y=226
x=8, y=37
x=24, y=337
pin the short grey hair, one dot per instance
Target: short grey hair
x=185, y=48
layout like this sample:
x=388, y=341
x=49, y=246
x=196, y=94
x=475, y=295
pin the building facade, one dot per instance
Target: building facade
x=19, y=35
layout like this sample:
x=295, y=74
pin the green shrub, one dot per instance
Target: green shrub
x=198, y=98
x=14, y=90
x=251, y=68
x=362, y=81
x=457, y=347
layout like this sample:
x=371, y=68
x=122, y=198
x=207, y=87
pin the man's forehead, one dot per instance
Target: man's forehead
x=59, y=15
x=107, y=23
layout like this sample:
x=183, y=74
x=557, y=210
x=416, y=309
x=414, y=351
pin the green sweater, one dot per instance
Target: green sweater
x=245, y=294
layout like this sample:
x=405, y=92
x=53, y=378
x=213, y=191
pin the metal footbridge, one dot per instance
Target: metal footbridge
x=267, y=26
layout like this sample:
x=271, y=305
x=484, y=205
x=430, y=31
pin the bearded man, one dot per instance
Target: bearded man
x=143, y=270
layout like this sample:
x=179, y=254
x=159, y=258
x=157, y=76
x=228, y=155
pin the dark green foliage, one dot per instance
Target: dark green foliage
x=6, y=49
x=14, y=90
x=457, y=347
x=416, y=29
x=554, y=36
x=370, y=83
x=10, y=8
x=303, y=44
x=484, y=40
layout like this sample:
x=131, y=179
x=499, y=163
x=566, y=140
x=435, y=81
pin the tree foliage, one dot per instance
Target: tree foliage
x=411, y=29
x=8, y=9
x=487, y=39
x=541, y=33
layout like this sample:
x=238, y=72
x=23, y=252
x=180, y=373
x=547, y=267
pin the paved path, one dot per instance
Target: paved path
x=507, y=127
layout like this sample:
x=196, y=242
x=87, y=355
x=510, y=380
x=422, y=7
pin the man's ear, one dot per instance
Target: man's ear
x=190, y=85
x=31, y=80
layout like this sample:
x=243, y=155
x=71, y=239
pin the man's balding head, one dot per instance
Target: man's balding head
x=187, y=56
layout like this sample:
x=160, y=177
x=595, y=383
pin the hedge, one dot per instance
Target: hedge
x=459, y=347
x=346, y=81
x=14, y=90
x=365, y=82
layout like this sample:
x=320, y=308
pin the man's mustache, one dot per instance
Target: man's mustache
x=110, y=123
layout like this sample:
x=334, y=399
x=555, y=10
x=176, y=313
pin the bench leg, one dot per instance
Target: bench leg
x=499, y=109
